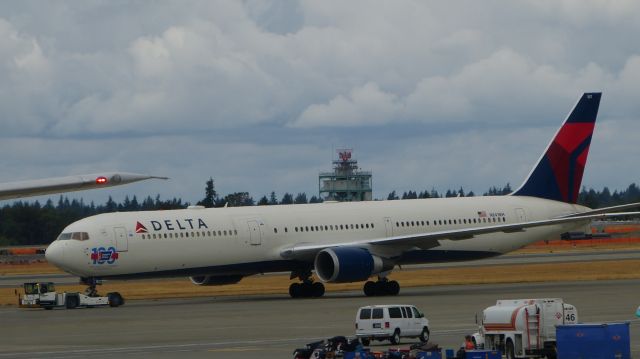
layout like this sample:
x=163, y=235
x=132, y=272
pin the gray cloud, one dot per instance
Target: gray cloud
x=256, y=93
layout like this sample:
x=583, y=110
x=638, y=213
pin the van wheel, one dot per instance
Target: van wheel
x=365, y=341
x=395, y=338
x=424, y=336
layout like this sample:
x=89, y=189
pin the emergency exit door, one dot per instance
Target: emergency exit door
x=255, y=233
x=122, y=242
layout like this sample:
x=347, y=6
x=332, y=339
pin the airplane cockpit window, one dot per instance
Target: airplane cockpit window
x=64, y=236
x=78, y=236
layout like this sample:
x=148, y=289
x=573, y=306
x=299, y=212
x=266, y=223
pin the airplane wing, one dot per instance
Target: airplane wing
x=430, y=239
x=19, y=189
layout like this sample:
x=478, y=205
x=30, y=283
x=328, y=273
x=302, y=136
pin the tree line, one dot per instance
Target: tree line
x=32, y=223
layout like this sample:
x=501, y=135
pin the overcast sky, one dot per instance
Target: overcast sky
x=258, y=94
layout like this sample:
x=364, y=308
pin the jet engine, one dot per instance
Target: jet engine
x=348, y=264
x=215, y=280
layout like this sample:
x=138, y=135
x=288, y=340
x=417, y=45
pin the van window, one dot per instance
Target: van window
x=377, y=313
x=404, y=312
x=409, y=315
x=394, y=312
x=365, y=313
x=416, y=313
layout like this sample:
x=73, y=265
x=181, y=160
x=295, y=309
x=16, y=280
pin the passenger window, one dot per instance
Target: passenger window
x=357, y=226
x=409, y=315
x=377, y=313
x=416, y=313
x=365, y=313
x=371, y=225
x=394, y=312
x=404, y=312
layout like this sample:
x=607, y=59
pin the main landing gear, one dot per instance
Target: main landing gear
x=382, y=287
x=307, y=289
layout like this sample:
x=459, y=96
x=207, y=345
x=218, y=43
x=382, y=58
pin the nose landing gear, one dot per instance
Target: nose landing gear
x=91, y=283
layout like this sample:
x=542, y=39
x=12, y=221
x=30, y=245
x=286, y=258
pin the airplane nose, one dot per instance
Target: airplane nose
x=55, y=253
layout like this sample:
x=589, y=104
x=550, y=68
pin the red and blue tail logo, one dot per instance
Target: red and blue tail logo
x=558, y=174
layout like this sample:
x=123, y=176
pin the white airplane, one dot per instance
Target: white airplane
x=19, y=189
x=341, y=242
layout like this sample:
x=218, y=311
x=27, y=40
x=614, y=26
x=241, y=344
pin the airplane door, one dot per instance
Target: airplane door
x=255, y=233
x=122, y=242
x=520, y=215
x=388, y=226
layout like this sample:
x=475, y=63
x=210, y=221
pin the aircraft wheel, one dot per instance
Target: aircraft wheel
x=295, y=290
x=370, y=289
x=317, y=289
x=393, y=287
x=365, y=341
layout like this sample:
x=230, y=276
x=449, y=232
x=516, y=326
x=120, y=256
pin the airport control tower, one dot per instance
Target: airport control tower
x=346, y=183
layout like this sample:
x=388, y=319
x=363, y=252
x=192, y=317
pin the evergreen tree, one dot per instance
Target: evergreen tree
x=301, y=198
x=238, y=199
x=392, y=196
x=210, y=194
x=315, y=199
x=263, y=201
x=287, y=198
x=273, y=200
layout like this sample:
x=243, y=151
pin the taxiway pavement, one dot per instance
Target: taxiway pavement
x=271, y=326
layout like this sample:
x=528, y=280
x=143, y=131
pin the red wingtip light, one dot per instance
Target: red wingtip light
x=101, y=180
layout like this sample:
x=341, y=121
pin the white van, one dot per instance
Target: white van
x=382, y=322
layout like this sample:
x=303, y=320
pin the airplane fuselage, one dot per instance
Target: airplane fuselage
x=251, y=240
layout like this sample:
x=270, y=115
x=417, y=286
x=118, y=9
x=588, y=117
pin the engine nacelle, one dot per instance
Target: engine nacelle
x=348, y=264
x=215, y=280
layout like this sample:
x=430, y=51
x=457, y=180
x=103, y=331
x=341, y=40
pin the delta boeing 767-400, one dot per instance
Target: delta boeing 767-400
x=341, y=242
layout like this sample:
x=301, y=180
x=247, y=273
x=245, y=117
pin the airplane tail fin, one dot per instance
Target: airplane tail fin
x=558, y=173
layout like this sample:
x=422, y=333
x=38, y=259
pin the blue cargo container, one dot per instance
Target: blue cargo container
x=483, y=354
x=593, y=341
